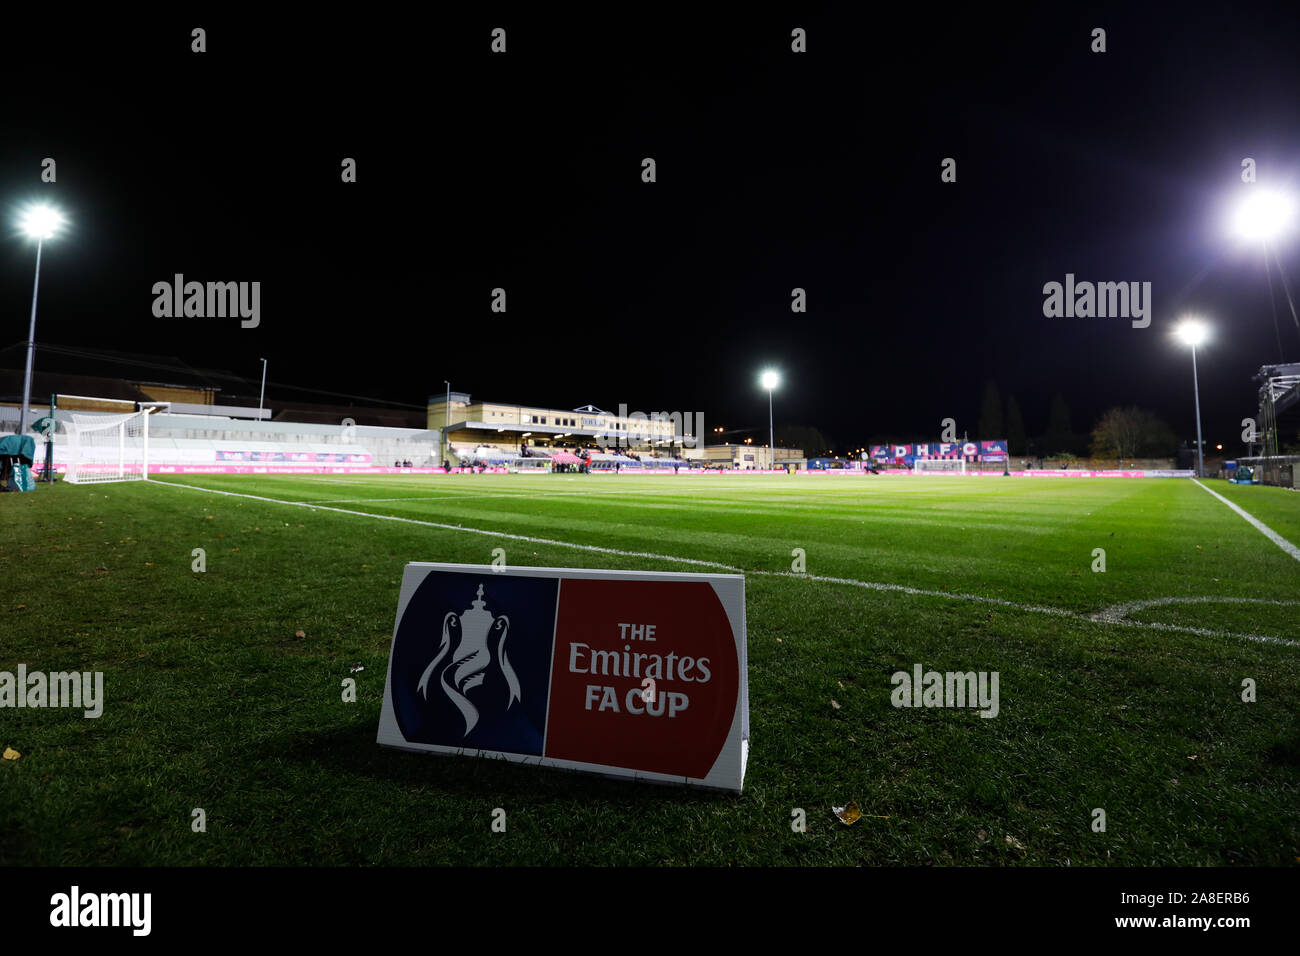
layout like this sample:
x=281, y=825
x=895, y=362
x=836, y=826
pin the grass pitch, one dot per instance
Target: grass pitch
x=1119, y=690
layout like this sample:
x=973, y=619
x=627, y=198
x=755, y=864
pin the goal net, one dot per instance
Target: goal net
x=940, y=466
x=108, y=447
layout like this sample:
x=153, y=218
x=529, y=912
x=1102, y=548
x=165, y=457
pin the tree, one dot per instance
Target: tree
x=990, y=423
x=1015, y=428
x=1132, y=433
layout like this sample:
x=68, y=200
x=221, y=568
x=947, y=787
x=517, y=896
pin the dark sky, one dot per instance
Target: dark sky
x=775, y=170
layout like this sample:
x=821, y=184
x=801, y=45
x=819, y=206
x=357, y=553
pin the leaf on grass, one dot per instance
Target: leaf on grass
x=982, y=835
x=358, y=666
x=841, y=683
x=848, y=814
x=835, y=703
x=11, y=754
x=779, y=641
x=1014, y=843
x=299, y=633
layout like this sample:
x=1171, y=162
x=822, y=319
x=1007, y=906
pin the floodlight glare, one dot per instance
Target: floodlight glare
x=1264, y=214
x=771, y=379
x=1191, y=332
x=41, y=222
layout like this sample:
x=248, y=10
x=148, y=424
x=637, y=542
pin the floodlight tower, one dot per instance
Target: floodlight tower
x=1264, y=216
x=1193, y=332
x=261, y=396
x=770, y=380
x=39, y=223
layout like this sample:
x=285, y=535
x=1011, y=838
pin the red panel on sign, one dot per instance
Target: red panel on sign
x=612, y=635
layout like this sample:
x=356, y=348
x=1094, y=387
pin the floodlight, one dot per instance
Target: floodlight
x=40, y=222
x=1264, y=214
x=1192, y=332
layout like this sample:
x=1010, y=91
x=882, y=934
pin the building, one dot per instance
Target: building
x=747, y=457
x=472, y=428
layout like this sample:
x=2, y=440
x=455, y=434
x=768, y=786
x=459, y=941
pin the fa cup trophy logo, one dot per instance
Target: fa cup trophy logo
x=479, y=642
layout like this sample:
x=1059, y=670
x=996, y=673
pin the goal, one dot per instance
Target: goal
x=940, y=466
x=108, y=447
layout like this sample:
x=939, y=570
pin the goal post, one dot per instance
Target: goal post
x=108, y=447
x=939, y=466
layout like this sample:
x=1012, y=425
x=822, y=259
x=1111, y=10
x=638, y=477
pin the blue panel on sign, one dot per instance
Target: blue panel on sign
x=472, y=661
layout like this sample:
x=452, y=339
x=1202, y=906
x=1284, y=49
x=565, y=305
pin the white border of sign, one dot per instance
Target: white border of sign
x=727, y=773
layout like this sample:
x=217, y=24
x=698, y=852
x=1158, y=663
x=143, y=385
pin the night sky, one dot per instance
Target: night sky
x=775, y=170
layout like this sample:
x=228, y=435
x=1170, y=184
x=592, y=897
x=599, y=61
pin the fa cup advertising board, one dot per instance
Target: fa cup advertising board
x=628, y=674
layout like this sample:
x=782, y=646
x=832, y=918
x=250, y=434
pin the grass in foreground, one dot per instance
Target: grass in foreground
x=213, y=702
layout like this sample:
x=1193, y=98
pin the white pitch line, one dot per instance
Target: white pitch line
x=1101, y=618
x=1264, y=529
x=547, y=494
x=456, y=527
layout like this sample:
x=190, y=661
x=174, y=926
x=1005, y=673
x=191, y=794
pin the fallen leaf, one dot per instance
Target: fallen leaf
x=835, y=703
x=299, y=633
x=982, y=835
x=11, y=754
x=1014, y=843
x=848, y=814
